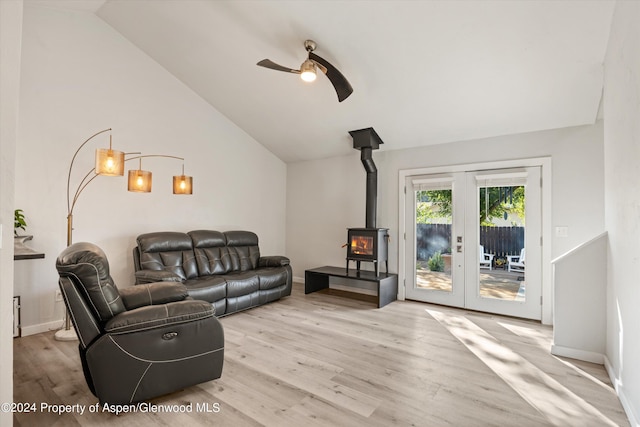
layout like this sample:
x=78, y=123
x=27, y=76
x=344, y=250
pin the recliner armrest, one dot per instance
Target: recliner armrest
x=151, y=276
x=154, y=316
x=273, y=261
x=152, y=294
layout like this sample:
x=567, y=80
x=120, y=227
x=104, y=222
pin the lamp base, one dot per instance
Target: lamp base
x=65, y=335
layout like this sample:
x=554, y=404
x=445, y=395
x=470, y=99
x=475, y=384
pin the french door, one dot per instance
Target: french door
x=473, y=240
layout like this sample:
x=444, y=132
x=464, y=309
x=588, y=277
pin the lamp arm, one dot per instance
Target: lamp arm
x=81, y=187
x=153, y=155
x=69, y=205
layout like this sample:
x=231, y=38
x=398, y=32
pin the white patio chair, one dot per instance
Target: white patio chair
x=486, y=260
x=516, y=262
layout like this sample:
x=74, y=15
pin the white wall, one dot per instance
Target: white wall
x=622, y=204
x=10, y=40
x=580, y=279
x=576, y=202
x=327, y=196
x=80, y=76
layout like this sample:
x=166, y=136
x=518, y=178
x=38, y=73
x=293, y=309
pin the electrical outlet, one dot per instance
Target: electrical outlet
x=58, y=295
x=562, y=231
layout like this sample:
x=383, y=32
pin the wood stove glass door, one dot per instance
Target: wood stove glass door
x=434, y=226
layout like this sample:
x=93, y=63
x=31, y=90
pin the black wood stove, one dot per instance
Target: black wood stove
x=370, y=243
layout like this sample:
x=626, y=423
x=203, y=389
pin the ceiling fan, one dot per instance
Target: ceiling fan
x=307, y=71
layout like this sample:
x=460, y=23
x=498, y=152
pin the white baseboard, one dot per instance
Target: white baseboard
x=587, y=356
x=298, y=279
x=25, y=331
x=634, y=419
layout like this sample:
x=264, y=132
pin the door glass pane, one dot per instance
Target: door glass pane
x=502, y=236
x=433, y=238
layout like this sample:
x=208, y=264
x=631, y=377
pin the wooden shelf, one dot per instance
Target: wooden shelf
x=22, y=252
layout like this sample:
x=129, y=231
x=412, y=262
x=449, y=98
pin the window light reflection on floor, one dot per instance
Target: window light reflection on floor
x=555, y=402
x=543, y=342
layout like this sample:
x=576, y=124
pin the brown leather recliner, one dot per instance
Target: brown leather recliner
x=139, y=342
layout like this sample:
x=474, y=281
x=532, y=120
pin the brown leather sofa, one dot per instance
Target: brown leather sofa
x=223, y=268
x=138, y=342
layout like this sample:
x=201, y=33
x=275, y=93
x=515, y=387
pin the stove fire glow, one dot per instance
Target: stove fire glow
x=362, y=245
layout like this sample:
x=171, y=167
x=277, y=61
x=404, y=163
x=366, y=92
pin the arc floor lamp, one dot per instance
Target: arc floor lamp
x=110, y=162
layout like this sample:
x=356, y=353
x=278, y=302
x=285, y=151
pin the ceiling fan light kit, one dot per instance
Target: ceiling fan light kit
x=307, y=71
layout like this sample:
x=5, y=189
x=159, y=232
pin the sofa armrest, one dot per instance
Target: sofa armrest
x=273, y=261
x=154, y=316
x=152, y=294
x=151, y=276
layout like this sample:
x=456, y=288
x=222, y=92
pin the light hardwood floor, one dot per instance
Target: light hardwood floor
x=326, y=360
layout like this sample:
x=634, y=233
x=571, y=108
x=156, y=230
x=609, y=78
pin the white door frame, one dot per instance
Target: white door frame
x=545, y=165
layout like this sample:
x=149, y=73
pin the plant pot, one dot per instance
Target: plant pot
x=19, y=240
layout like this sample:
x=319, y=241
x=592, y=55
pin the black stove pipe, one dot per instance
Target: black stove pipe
x=372, y=186
x=366, y=140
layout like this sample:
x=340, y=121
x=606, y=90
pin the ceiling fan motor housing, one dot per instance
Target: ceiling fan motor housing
x=310, y=45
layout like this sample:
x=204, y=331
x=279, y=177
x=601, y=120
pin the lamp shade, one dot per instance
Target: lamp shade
x=139, y=181
x=182, y=184
x=109, y=162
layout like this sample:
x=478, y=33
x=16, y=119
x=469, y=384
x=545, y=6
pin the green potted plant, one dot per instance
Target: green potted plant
x=19, y=221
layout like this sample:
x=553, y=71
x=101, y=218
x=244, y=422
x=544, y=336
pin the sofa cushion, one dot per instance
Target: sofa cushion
x=268, y=295
x=241, y=283
x=220, y=306
x=212, y=255
x=207, y=288
x=243, y=250
x=243, y=302
x=168, y=250
x=271, y=277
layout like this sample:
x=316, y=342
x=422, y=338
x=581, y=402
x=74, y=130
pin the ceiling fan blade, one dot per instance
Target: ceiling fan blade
x=320, y=67
x=339, y=82
x=267, y=63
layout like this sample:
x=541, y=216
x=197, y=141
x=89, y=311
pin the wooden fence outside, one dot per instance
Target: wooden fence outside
x=500, y=241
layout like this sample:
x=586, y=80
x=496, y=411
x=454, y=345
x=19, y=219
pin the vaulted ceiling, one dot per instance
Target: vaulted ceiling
x=423, y=72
